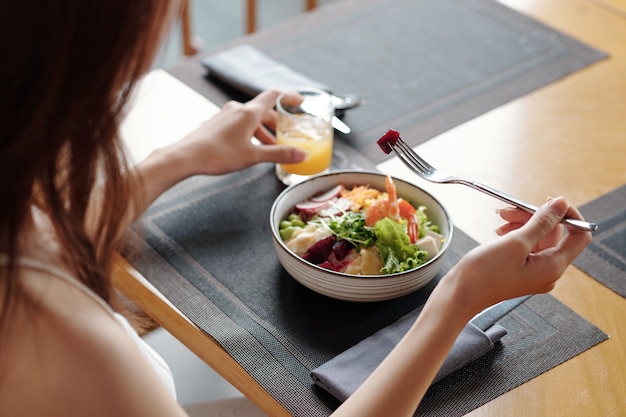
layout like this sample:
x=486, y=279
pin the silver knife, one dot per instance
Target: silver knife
x=335, y=122
x=338, y=124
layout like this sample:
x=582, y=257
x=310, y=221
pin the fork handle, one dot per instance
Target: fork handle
x=530, y=208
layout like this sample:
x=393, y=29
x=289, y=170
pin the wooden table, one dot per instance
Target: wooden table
x=567, y=138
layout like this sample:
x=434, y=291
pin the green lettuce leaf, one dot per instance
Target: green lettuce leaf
x=397, y=252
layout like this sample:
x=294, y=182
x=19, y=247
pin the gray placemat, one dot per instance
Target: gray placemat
x=605, y=258
x=208, y=249
x=424, y=66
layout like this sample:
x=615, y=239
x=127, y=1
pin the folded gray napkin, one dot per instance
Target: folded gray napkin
x=343, y=374
x=250, y=71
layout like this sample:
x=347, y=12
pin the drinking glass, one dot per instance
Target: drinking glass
x=304, y=120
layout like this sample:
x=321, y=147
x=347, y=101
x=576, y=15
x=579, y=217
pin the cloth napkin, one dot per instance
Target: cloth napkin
x=343, y=374
x=250, y=71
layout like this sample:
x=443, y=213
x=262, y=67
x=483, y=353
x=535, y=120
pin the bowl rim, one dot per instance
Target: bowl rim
x=279, y=240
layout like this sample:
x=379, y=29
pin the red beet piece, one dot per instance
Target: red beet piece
x=388, y=140
x=328, y=265
x=342, y=248
x=320, y=250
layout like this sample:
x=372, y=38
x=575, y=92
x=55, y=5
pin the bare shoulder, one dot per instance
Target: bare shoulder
x=70, y=356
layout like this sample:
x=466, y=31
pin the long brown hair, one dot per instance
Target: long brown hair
x=68, y=69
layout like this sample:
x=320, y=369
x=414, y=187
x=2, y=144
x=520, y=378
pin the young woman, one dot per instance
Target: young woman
x=67, y=195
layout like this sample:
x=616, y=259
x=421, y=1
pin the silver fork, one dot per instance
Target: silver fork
x=432, y=174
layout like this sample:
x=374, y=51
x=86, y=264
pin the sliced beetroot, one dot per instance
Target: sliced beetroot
x=341, y=249
x=328, y=265
x=338, y=265
x=388, y=140
x=332, y=193
x=320, y=250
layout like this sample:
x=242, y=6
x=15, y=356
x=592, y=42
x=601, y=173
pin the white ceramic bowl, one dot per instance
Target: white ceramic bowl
x=362, y=287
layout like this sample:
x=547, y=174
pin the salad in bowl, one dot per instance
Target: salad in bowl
x=360, y=235
x=361, y=230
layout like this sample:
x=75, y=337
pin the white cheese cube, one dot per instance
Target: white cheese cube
x=428, y=244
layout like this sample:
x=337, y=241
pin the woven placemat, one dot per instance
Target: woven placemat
x=206, y=245
x=605, y=258
x=423, y=66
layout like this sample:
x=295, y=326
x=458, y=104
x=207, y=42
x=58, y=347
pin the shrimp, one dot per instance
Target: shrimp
x=394, y=208
x=407, y=211
x=384, y=208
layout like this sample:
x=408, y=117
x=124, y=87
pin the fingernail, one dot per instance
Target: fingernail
x=502, y=209
x=300, y=155
x=557, y=205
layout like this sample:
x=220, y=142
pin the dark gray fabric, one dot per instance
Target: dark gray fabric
x=423, y=66
x=250, y=71
x=206, y=245
x=486, y=319
x=343, y=374
x=605, y=258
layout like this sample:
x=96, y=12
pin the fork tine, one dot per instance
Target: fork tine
x=410, y=157
x=406, y=158
x=409, y=162
x=415, y=156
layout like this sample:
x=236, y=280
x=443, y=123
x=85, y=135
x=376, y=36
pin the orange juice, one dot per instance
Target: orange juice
x=317, y=142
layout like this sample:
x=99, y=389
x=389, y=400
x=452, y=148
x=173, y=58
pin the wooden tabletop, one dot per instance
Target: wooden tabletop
x=567, y=138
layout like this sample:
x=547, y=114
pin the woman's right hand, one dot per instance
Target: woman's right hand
x=530, y=255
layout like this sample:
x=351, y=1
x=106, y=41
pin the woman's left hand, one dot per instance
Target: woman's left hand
x=224, y=143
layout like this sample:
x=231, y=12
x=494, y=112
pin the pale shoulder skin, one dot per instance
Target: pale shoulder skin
x=70, y=357
x=530, y=257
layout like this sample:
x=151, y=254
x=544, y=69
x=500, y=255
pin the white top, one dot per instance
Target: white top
x=157, y=362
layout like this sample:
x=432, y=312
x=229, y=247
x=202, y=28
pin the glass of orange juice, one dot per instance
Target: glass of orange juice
x=304, y=121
